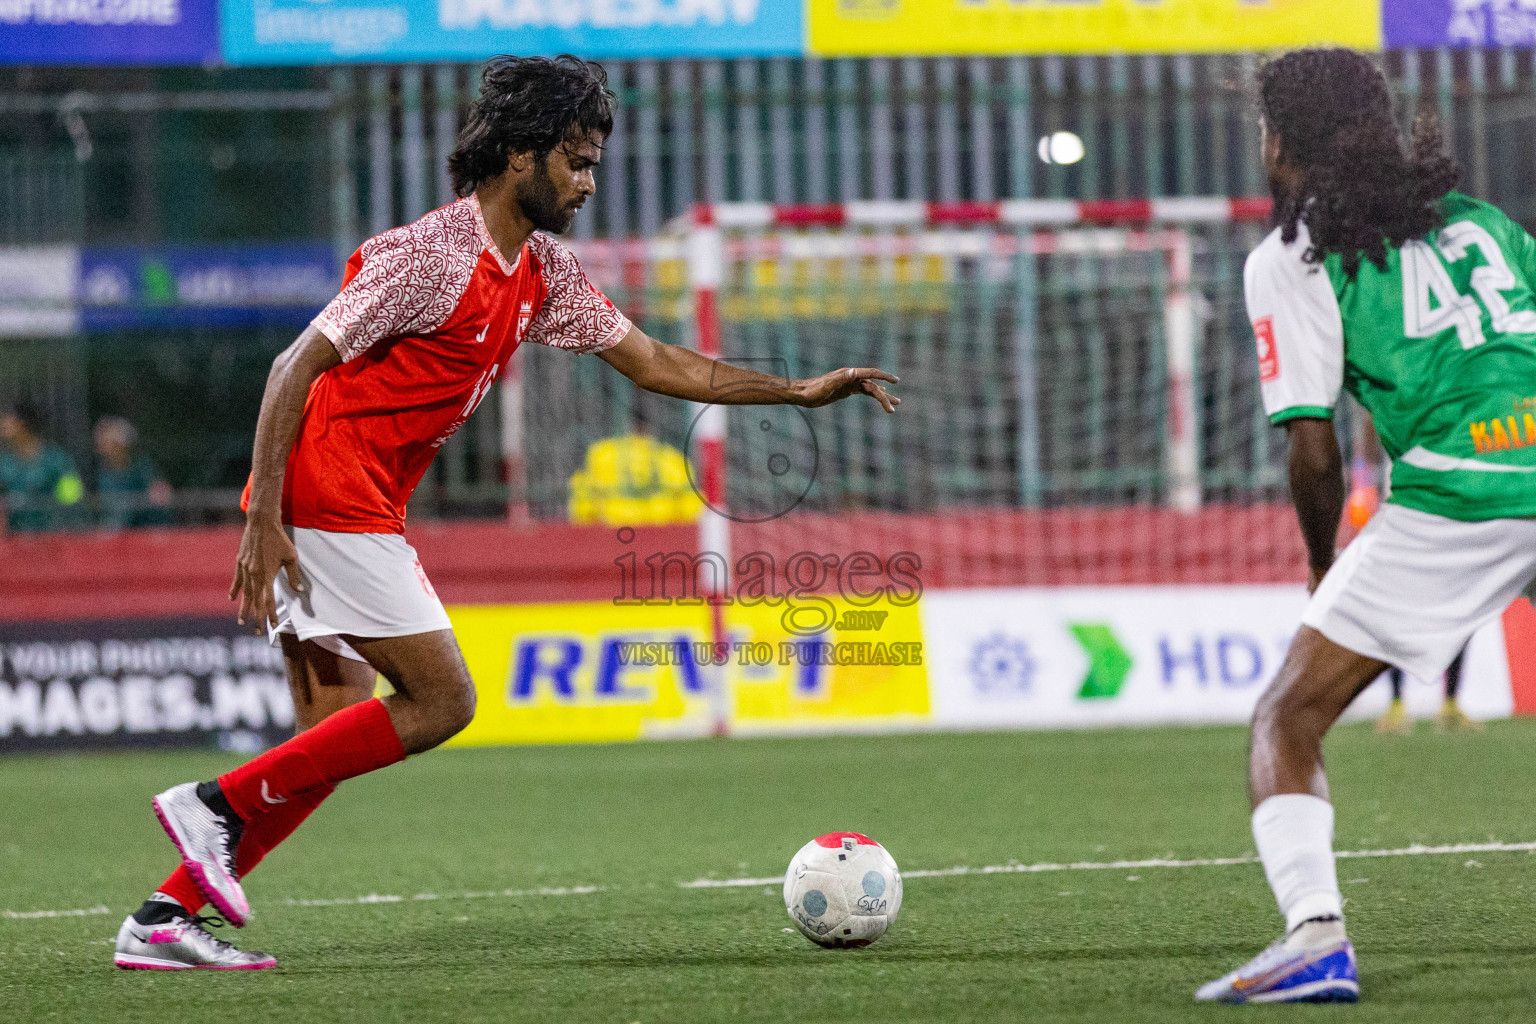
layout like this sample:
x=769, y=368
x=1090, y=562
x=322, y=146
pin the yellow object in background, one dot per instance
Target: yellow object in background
x=633, y=481
x=917, y=27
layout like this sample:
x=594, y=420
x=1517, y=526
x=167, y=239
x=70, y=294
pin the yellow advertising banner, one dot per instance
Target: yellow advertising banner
x=902, y=27
x=599, y=672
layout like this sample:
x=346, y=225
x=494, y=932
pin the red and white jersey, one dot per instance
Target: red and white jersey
x=428, y=316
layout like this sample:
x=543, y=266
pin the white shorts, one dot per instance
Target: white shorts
x=1413, y=587
x=360, y=584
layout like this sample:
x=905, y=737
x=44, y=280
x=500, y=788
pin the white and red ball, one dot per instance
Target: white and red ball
x=842, y=889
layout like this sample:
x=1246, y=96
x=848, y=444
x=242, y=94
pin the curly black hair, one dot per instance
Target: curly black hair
x=528, y=105
x=1359, y=191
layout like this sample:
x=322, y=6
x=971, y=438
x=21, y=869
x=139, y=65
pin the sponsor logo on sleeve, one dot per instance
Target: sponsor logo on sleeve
x=1269, y=356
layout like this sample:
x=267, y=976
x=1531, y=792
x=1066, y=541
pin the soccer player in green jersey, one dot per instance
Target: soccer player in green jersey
x=1380, y=280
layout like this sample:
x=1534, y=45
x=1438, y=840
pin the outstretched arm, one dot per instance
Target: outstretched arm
x=1316, y=472
x=682, y=373
x=265, y=547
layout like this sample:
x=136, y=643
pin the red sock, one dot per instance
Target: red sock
x=352, y=742
x=183, y=890
x=262, y=835
x=260, y=838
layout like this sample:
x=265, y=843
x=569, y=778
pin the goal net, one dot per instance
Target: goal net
x=1078, y=383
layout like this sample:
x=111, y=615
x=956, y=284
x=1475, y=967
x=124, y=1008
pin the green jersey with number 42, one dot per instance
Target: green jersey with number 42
x=1440, y=347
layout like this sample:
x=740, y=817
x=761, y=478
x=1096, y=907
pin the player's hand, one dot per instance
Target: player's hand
x=839, y=384
x=264, y=550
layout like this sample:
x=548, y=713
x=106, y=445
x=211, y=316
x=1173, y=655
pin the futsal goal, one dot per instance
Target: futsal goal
x=1079, y=385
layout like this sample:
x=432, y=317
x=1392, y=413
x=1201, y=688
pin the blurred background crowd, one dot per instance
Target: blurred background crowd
x=42, y=487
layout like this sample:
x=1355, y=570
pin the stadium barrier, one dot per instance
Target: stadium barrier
x=127, y=640
x=151, y=682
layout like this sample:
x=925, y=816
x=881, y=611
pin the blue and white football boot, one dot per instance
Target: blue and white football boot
x=1315, y=963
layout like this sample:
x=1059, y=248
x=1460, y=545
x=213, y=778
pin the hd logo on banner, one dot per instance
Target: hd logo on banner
x=1070, y=657
x=869, y=27
x=330, y=31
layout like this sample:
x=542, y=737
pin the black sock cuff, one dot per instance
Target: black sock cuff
x=158, y=912
x=210, y=794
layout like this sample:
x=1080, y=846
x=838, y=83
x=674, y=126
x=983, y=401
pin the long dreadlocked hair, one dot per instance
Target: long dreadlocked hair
x=1360, y=191
x=528, y=105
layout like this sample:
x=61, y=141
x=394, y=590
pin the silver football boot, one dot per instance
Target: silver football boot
x=181, y=944
x=207, y=843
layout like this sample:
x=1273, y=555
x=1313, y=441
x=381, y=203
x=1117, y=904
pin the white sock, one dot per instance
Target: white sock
x=1294, y=833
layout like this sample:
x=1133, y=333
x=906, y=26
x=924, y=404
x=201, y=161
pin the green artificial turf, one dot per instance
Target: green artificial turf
x=1441, y=938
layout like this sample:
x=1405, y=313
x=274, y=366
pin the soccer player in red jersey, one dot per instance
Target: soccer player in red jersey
x=353, y=413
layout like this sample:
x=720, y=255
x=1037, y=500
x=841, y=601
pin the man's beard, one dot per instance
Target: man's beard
x=540, y=202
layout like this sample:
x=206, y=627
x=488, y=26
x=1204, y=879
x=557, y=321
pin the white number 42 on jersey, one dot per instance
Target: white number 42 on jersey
x=1431, y=302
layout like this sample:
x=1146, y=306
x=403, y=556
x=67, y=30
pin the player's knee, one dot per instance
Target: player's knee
x=1283, y=709
x=1273, y=709
x=456, y=708
x=462, y=711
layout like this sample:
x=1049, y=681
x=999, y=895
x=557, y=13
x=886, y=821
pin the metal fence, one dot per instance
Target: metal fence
x=348, y=152
x=810, y=130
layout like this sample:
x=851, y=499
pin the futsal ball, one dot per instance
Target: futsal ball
x=842, y=890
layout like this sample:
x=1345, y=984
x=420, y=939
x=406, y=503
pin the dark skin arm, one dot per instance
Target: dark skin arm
x=682, y=373
x=265, y=547
x=1316, y=472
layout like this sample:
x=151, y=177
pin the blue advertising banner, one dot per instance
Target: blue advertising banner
x=125, y=287
x=1432, y=23
x=108, y=31
x=335, y=31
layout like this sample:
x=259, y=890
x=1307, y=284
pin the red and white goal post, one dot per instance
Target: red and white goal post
x=1055, y=369
x=885, y=228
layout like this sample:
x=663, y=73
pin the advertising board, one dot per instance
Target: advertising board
x=108, y=32
x=1434, y=23
x=601, y=672
x=140, y=683
x=337, y=31
x=896, y=27
x=1071, y=657
x=205, y=285
x=37, y=291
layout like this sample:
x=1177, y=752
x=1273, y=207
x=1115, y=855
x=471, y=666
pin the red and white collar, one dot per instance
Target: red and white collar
x=485, y=237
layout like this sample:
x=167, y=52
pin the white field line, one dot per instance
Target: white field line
x=32, y=915
x=344, y=901
x=373, y=897
x=1120, y=865
x=1416, y=850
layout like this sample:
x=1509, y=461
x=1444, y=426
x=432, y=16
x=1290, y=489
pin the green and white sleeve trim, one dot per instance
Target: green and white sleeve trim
x=1297, y=412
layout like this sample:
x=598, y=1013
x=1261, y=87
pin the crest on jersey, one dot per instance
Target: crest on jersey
x=524, y=316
